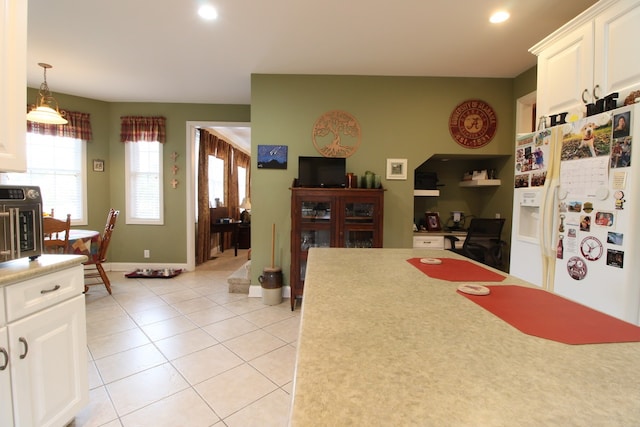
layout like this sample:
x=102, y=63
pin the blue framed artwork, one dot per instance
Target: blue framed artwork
x=272, y=156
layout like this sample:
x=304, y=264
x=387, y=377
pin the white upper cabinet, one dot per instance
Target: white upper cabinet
x=589, y=58
x=565, y=71
x=617, y=64
x=13, y=85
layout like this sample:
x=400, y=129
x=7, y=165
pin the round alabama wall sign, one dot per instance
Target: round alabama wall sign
x=473, y=123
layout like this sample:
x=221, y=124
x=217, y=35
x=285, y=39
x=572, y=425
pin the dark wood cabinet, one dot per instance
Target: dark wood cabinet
x=331, y=218
x=244, y=236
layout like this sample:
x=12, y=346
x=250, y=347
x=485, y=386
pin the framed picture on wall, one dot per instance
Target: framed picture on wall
x=98, y=165
x=396, y=168
x=272, y=156
x=433, y=221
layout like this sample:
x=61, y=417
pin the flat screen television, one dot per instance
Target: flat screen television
x=321, y=172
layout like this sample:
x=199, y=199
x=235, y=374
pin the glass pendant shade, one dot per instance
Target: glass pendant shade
x=46, y=110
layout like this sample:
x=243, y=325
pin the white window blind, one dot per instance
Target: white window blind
x=144, y=182
x=57, y=165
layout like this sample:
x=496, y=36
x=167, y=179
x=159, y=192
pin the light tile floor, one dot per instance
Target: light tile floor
x=186, y=352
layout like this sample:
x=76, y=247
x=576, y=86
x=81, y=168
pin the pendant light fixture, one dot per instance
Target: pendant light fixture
x=46, y=109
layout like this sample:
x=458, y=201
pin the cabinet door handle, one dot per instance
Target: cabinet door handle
x=23, y=340
x=46, y=291
x=6, y=358
x=585, y=92
x=596, y=97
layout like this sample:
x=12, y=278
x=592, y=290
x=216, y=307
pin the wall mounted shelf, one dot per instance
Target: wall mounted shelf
x=428, y=193
x=480, y=183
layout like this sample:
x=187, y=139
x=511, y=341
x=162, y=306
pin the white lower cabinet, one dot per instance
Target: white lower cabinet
x=438, y=241
x=47, y=350
x=428, y=242
x=6, y=410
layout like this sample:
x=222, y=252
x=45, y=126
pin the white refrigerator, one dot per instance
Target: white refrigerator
x=576, y=214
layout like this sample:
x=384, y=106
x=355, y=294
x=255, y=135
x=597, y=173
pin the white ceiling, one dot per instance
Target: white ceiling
x=161, y=51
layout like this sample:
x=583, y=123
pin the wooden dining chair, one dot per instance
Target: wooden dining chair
x=56, y=234
x=94, y=271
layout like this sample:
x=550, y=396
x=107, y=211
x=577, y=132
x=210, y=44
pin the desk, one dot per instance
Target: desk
x=381, y=343
x=220, y=228
x=84, y=242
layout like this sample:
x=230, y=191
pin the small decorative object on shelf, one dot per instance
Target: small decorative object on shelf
x=433, y=221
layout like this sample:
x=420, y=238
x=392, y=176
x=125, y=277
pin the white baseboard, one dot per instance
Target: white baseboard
x=129, y=267
x=255, y=291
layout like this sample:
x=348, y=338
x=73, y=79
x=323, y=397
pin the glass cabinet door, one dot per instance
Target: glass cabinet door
x=315, y=211
x=359, y=212
x=358, y=239
x=310, y=238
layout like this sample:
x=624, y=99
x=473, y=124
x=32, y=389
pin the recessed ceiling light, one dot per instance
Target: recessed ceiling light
x=208, y=12
x=498, y=17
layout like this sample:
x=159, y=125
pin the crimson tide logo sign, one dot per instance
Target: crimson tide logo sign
x=473, y=123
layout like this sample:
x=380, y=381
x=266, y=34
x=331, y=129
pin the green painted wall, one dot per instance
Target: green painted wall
x=167, y=243
x=400, y=117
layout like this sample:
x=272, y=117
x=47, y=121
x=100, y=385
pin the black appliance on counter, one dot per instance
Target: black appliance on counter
x=20, y=222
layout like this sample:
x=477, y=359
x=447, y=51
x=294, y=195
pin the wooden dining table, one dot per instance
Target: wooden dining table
x=84, y=242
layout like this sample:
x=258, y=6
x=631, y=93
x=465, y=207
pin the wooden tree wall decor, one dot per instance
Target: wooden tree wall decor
x=336, y=134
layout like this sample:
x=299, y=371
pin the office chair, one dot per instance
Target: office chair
x=483, y=242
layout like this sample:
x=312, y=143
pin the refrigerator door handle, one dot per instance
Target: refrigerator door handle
x=547, y=232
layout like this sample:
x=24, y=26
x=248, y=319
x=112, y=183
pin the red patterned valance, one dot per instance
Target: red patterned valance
x=135, y=128
x=79, y=126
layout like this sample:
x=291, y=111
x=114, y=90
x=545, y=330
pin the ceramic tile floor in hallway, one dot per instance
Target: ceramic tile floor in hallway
x=186, y=352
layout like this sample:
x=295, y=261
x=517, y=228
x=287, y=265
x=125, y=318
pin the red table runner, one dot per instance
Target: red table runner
x=457, y=270
x=546, y=315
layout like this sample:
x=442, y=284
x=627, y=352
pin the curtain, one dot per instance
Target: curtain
x=211, y=145
x=137, y=128
x=79, y=126
x=203, y=238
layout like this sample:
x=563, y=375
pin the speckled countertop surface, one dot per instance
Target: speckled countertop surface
x=382, y=344
x=23, y=269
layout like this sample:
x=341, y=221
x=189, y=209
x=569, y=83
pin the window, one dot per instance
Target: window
x=143, y=161
x=242, y=183
x=58, y=166
x=216, y=180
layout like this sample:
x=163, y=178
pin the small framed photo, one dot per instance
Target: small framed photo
x=433, y=221
x=396, y=168
x=98, y=165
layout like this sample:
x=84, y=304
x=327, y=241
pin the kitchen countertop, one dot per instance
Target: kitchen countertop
x=22, y=269
x=382, y=344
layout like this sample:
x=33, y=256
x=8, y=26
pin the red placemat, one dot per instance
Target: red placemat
x=457, y=270
x=546, y=315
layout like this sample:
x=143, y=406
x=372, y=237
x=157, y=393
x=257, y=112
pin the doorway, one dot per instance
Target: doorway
x=241, y=133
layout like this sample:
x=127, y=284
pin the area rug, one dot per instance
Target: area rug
x=457, y=270
x=546, y=315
